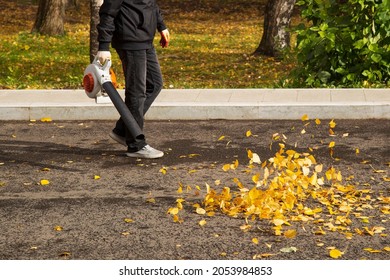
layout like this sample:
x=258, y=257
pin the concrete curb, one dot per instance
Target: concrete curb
x=203, y=104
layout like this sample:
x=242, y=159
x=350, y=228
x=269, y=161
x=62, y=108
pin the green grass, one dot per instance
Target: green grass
x=211, y=47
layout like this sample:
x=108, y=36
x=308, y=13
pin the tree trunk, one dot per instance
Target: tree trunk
x=71, y=3
x=50, y=17
x=277, y=20
x=93, y=33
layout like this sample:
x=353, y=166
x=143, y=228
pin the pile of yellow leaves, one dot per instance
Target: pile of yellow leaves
x=292, y=187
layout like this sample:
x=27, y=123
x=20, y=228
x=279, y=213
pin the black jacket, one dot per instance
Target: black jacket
x=129, y=24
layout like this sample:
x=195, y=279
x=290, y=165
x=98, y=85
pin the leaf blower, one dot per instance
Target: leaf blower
x=97, y=81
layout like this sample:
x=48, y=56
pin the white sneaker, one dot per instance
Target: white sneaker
x=146, y=152
x=121, y=140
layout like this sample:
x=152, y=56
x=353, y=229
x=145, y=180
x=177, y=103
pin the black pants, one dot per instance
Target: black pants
x=143, y=83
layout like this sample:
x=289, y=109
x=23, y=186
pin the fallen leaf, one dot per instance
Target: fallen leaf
x=65, y=254
x=289, y=250
x=371, y=250
x=305, y=117
x=332, y=124
x=200, y=211
x=44, y=182
x=163, y=170
x=226, y=167
x=202, y=223
x=263, y=255
x=46, y=119
x=290, y=233
x=58, y=228
x=335, y=253
x=255, y=240
x=173, y=211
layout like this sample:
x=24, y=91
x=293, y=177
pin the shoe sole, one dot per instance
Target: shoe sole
x=136, y=155
x=118, y=139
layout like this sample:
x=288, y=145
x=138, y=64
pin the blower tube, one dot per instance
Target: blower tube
x=127, y=117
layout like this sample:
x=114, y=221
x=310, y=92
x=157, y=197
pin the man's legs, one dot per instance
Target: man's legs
x=154, y=80
x=134, y=68
x=143, y=84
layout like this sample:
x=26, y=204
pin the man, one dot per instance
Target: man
x=130, y=27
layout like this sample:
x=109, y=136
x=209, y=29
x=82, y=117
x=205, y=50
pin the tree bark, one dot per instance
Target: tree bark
x=93, y=33
x=50, y=18
x=276, y=36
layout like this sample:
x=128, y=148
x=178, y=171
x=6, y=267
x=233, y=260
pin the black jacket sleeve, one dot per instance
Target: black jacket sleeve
x=160, y=21
x=106, y=26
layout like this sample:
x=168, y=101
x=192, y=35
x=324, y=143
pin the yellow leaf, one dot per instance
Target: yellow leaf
x=332, y=144
x=278, y=222
x=193, y=155
x=46, y=119
x=255, y=158
x=127, y=220
x=202, y=223
x=163, y=170
x=387, y=249
x=255, y=240
x=248, y=133
x=151, y=200
x=245, y=227
x=335, y=254
x=371, y=250
x=305, y=117
x=177, y=219
x=58, y=228
x=290, y=233
x=44, y=182
x=221, y=138
x=226, y=167
x=96, y=177
x=318, y=121
x=180, y=190
x=264, y=255
x=256, y=178
x=173, y=211
x=200, y=211
x=332, y=124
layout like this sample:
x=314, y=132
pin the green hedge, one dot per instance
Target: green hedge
x=345, y=43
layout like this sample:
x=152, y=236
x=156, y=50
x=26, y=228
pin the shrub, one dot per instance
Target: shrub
x=345, y=43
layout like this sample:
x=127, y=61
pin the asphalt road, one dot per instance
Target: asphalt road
x=68, y=192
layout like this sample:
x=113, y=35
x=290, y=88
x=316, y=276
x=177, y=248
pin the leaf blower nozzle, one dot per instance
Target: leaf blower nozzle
x=96, y=81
